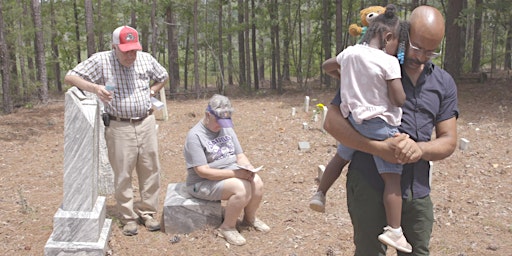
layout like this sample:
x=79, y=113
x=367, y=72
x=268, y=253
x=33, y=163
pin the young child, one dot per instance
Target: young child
x=372, y=94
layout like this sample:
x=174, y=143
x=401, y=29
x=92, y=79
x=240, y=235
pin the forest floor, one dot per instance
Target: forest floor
x=472, y=191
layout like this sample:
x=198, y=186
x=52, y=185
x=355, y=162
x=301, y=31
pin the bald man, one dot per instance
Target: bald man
x=431, y=103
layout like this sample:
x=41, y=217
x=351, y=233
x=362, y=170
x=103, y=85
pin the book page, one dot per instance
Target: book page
x=252, y=170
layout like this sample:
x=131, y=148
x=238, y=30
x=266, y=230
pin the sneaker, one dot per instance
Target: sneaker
x=232, y=236
x=258, y=225
x=130, y=228
x=150, y=223
x=398, y=242
x=317, y=202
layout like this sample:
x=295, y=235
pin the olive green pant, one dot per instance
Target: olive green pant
x=368, y=216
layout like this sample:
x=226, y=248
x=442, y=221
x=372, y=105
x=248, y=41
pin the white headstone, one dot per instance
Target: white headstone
x=306, y=104
x=324, y=114
x=80, y=226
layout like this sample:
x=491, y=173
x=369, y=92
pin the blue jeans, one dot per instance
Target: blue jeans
x=376, y=129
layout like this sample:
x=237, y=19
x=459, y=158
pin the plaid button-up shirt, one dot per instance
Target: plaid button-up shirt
x=131, y=94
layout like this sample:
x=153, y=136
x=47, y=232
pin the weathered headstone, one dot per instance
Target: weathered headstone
x=304, y=146
x=306, y=104
x=162, y=114
x=324, y=114
x=320, y=172
x=463, y=144
x=80, y=226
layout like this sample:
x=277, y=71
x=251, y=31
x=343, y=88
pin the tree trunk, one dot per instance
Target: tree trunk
x=477, y=37
x=187, y=54
x=339, y=26
x=299, y=58
x=5, y=66
x=326, y=39
x=286, y=39
x=241, y=46
x=508, y=46
x=452, y=61
x=247, y=42
x=205, y=47
x=230, y=46
x=55, y=48
x=23, y=58
x=174, y=67
x=77, y=33
x=347, y=36
x=273, y=42
x=89, y=27
x=275, y=28
x=221, y=81
x=196, y=53
x=99, y=29
x=39, y=50
x=254, y=45
x=261, y=61
x=154, y=29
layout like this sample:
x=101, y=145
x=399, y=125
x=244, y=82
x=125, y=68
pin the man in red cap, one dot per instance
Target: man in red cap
x=126, y=38
x=125, y=79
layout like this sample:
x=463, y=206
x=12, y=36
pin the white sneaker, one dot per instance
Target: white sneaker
x=317, y=202
x=398, y=242
x=232, y=236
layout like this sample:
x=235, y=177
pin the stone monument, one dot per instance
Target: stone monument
x=80, y=226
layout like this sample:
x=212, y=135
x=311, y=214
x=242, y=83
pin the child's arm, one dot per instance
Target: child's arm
x=331, y=67
x=396, y=92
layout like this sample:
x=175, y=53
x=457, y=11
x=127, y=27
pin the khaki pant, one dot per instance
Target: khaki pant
x=134, y=146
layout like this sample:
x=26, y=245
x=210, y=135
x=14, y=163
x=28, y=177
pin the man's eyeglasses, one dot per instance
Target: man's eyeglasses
x=429, y=54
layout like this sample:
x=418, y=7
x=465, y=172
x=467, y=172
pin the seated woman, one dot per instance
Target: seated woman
x=213, y=155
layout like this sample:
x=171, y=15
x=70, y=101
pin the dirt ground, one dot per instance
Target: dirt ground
x=472, y=189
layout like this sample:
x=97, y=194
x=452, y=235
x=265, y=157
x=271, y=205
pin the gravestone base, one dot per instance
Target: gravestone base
x=98, y=248
x=80, y=232
x=184, y=213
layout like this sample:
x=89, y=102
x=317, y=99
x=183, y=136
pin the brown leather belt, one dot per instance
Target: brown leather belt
x=131, y=120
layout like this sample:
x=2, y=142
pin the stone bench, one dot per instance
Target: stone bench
x=183, y=213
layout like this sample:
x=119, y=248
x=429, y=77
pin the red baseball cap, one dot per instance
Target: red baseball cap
x=127, y=38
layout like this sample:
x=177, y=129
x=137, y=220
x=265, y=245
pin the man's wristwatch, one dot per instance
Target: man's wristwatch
x=152, y=93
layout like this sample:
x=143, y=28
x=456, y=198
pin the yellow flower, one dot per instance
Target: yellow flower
x=319, y=108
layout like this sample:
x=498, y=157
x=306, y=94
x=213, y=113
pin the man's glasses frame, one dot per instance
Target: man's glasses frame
x=429, y=54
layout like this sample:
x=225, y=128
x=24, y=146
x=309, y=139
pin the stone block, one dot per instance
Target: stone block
x=161, y=113
x=80, y=233
x=97, y=248
x=321, y=170
x=463, y=144
x=304, y=146
x=80, y=226
x=184, y=213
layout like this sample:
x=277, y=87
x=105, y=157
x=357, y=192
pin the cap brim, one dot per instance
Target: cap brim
x=130, y=47
x=225, y=122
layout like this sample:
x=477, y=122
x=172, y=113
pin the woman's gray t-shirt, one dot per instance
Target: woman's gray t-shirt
x=217, y=149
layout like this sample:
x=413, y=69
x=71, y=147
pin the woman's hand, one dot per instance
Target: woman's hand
x=244, y=174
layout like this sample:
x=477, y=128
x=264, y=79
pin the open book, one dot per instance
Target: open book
x=252, y=170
